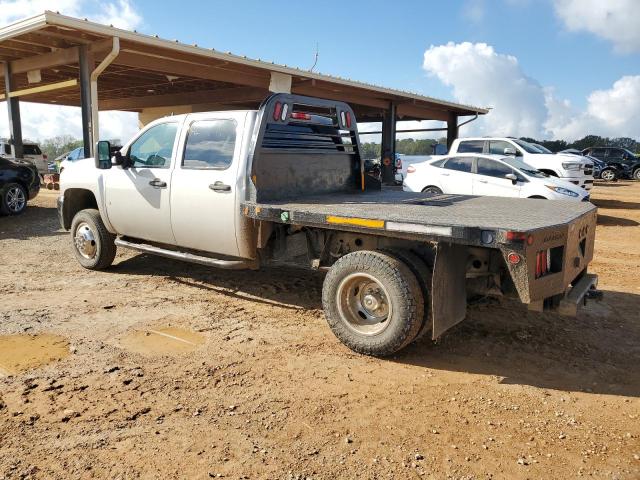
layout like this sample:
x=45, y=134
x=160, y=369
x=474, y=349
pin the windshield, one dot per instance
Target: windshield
x=542, y=148
x=523, y=167
x=527, y=147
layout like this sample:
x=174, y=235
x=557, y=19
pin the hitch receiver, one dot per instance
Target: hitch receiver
x=582, y=291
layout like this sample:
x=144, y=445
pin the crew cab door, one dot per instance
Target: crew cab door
x=490, y=179
x=456, y=176
x=205, y=183
x=137, y=198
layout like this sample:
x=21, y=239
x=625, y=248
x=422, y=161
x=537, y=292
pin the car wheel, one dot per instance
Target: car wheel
x=636, y=174
x=93, y=245
x=13, y=199
x=608, y=175
x=373, y=302
x=432, y=190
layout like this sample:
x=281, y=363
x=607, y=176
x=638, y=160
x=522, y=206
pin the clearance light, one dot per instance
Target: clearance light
x=519, y=237
x=513, y=258
x=300, y=116
x=348, y=115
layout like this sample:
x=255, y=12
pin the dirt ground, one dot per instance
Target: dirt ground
x=171, y=370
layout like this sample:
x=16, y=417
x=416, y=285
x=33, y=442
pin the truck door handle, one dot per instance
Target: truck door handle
x=157, y=183
x=220, y=187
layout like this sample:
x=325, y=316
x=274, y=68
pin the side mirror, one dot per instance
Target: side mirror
x=510, y=151
x=103, y=155
x=512, y=176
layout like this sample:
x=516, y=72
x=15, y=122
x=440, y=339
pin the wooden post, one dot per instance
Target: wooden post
x=13, y=108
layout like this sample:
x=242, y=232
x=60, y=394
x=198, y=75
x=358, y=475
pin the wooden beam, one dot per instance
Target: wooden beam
x=180, y=68
x=420, y=112
x=41, y=88
x=35, y=38
x=223, y=95
x=344, y=96
x=46, y=60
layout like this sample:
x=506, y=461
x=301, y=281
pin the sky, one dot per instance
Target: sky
x=546, y=68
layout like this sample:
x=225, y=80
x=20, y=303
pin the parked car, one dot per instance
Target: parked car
x=626, y=161
x=490, y=175
x=252, y=188
x=601, y=170
x=63, y=160
x=577, y=170
x=31, y=153
x=19, y=183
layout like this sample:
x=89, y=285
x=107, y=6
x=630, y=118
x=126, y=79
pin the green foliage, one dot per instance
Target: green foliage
x=56, y=146
x=588, y=141
x=406, y=146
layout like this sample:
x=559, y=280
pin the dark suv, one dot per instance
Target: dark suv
x=19, y=183
x=623, y=159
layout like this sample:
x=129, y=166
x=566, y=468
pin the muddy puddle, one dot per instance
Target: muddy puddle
x=162, y=341
x=19, y=353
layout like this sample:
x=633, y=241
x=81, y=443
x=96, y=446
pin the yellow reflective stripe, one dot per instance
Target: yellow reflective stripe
x=358, y=222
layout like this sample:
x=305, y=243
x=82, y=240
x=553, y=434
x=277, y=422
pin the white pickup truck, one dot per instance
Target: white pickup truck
x=286, y=185
x=570, y=168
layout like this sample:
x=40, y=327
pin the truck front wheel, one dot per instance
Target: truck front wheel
x=373, y=302
x=93, y=245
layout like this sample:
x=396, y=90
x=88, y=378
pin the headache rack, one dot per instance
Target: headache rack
x=305, y=146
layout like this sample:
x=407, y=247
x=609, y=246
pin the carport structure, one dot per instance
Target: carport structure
x=60, y=60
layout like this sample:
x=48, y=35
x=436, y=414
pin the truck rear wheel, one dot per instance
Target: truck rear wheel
x=424, y=275
x=373, y=302
x=93, y=245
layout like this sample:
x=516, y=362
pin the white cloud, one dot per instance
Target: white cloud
x=121, y=13
x=479, y=75
x=44, y=121
x=615, y=20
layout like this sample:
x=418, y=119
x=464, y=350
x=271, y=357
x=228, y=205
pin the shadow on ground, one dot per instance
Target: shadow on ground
x=35, y=222
x=597, y=352
x=609, y=221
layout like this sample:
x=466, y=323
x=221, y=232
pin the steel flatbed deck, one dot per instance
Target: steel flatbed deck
x=453, y=216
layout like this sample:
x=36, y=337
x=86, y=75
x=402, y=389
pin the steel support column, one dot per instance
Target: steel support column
x=452, y=129
x=13, y=108
x=388, y=147
x=86, y=66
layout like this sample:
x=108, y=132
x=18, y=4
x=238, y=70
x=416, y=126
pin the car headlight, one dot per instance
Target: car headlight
x=571, y=166
x=562, y=190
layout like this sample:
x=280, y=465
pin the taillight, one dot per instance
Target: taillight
x=519, y=237
x=348, y=116
x=277, y=109
x=411, y=169
x=542, y=263
x=300, y=116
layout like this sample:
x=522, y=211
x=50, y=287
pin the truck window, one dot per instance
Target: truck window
x=491, y=168
x=497, y=146
x=471, y=146
x=210, y=145
x=154, y=147
x=31, y=149
x=460, y=164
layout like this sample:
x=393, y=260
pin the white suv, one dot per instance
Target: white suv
x=577, y=170
x=31, y=153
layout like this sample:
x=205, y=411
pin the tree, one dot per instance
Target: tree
x=56, y=146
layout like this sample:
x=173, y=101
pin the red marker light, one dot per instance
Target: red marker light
x=516, y=236
x=513, y=258
x=348, y=115
x=300, y=116
x=276, y=111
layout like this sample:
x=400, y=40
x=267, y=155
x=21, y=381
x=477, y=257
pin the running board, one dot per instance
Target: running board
x=189, y=257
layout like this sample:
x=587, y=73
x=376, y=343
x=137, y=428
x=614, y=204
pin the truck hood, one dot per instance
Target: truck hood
x=561, y=157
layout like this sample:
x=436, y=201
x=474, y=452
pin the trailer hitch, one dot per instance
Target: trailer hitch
x=593, y=294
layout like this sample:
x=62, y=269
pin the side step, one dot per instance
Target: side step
x=189, y=257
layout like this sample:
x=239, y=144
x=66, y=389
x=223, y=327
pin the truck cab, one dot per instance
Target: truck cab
x=576, y=170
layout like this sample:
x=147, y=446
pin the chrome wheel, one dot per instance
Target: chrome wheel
x=363, y=303
x=85, y=241
x=608, y=175
x=16, y=199
x=432, y=191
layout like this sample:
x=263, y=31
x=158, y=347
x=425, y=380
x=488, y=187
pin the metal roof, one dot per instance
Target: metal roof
x=150, y=71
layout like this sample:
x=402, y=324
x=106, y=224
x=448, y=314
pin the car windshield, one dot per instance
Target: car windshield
x=523, y=167
x=527, y=147
x=542, y=148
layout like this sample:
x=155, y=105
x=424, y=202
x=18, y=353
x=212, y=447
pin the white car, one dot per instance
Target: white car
x=488, y=175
